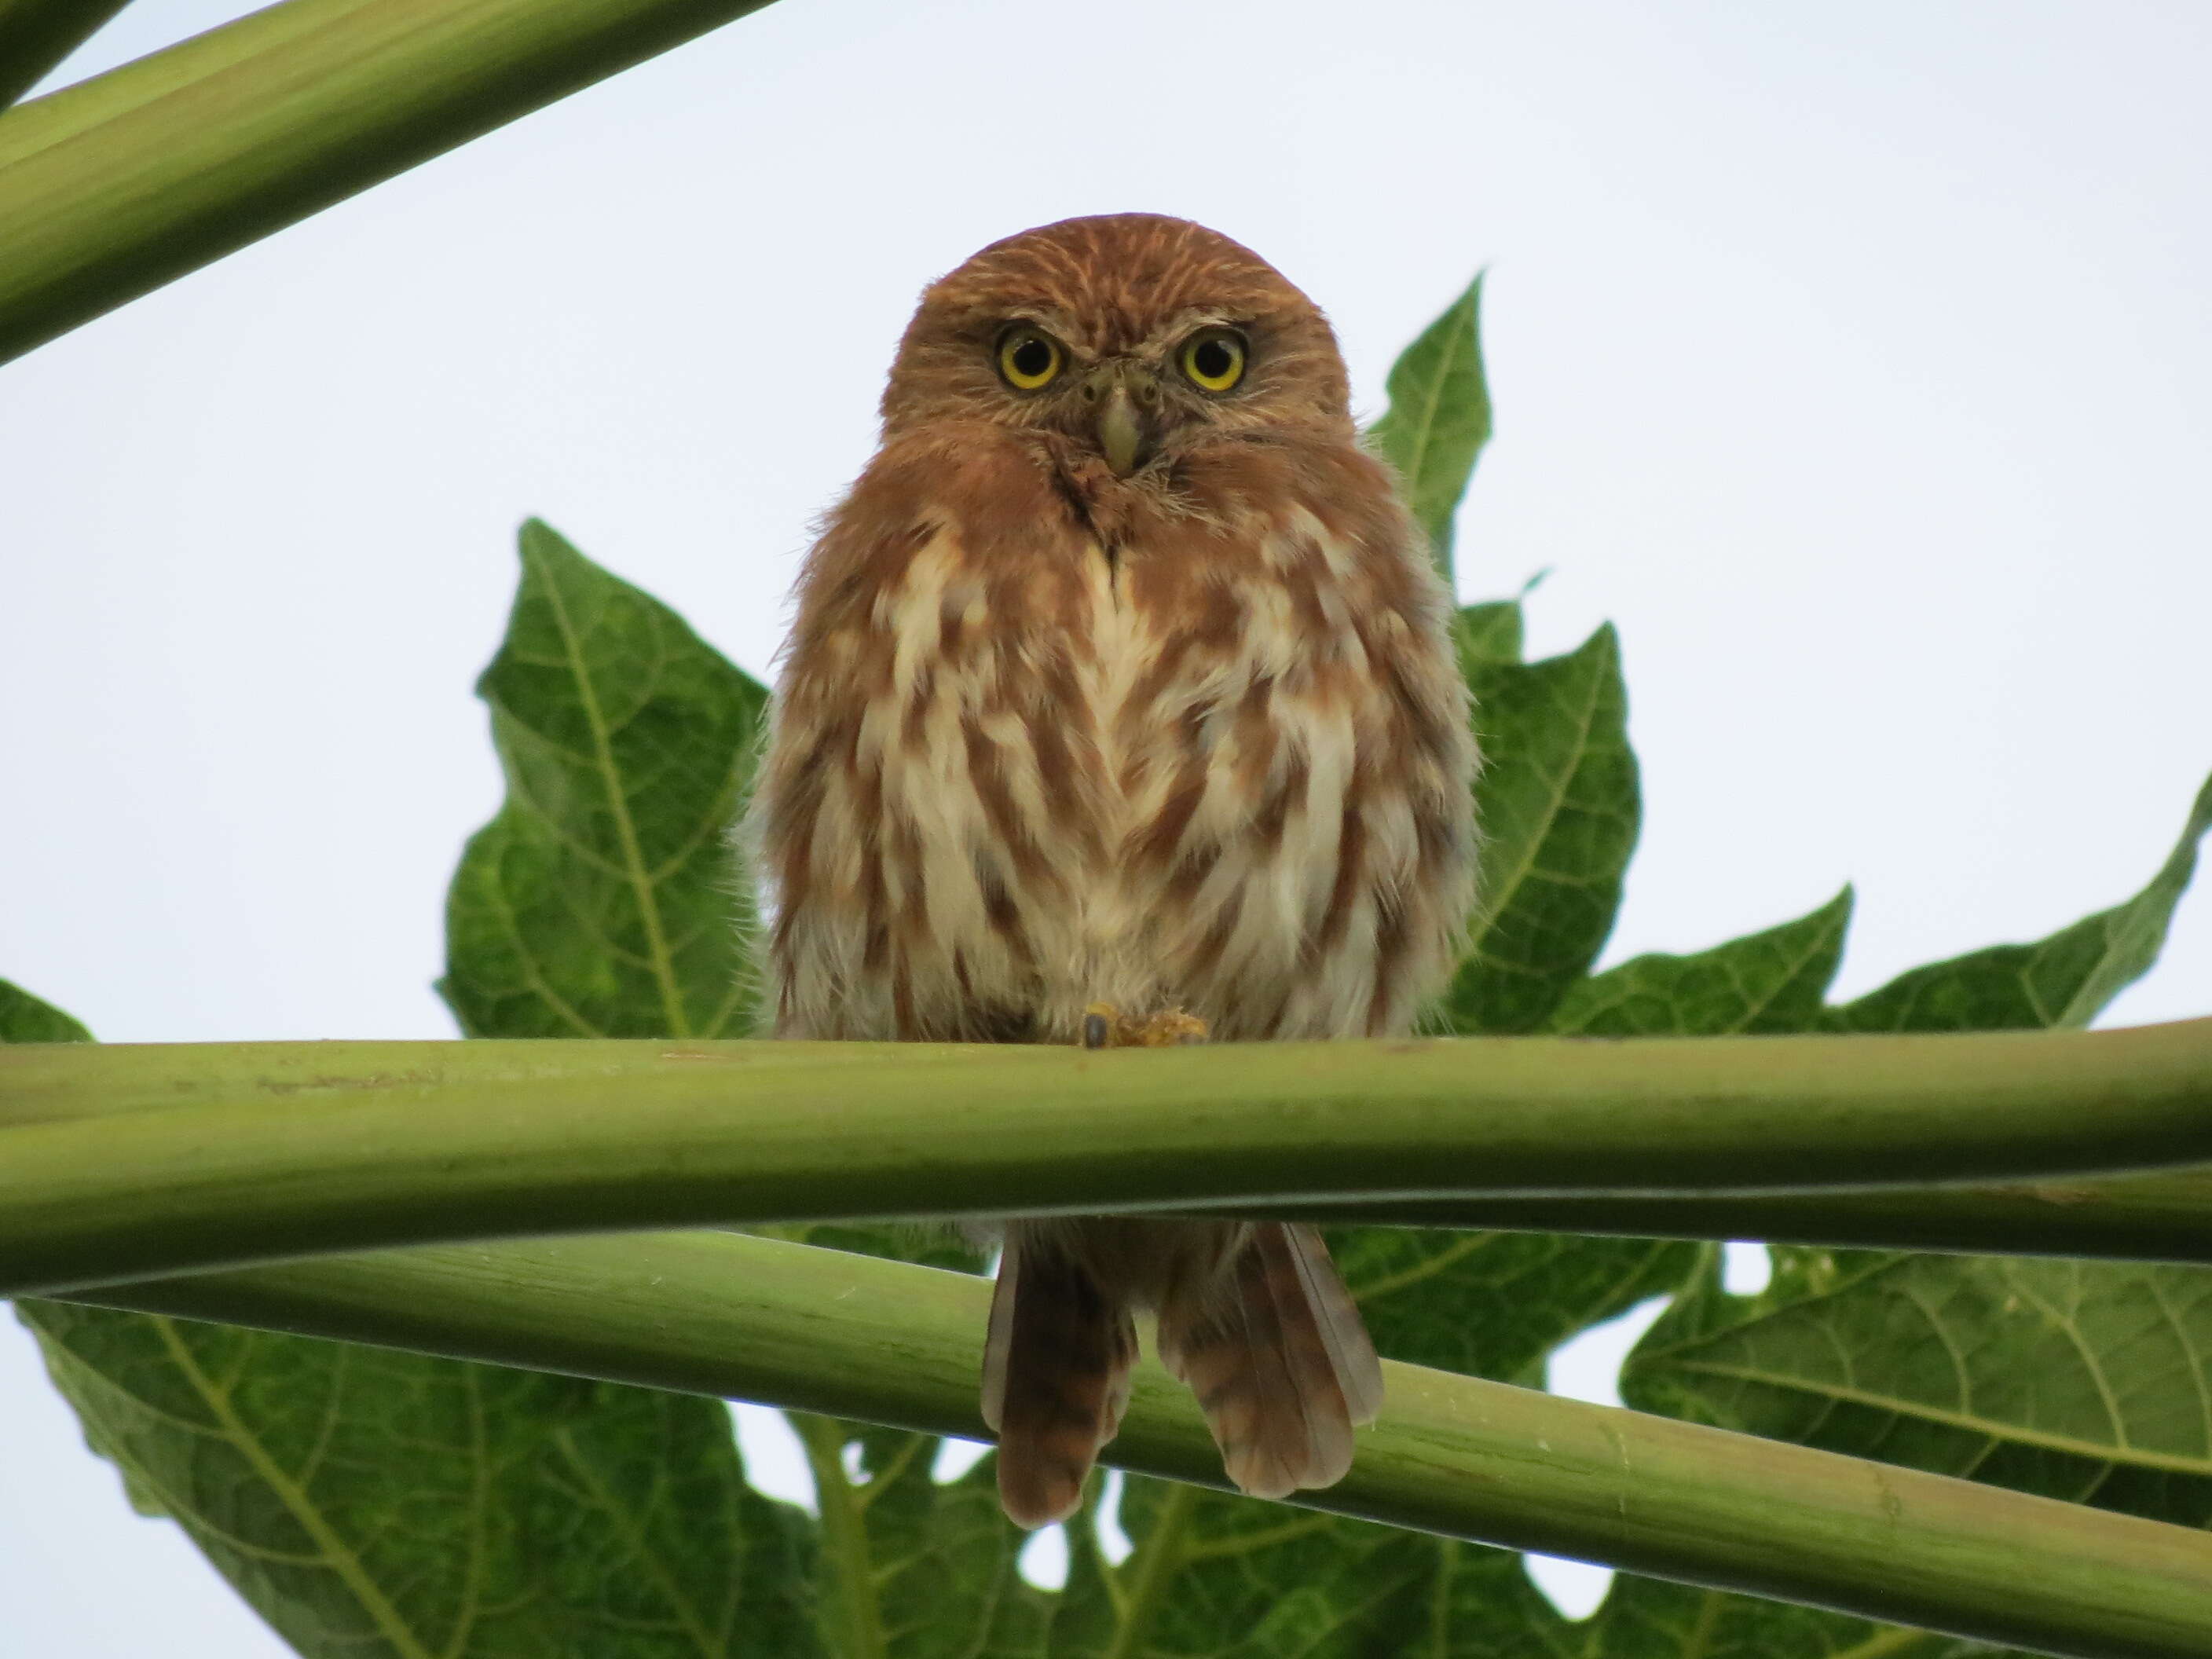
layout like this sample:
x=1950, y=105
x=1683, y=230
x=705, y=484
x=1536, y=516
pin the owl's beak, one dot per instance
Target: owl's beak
x=1125, y=395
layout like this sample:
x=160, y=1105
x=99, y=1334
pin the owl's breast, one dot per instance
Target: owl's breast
x=1182, y=773
x=1234, y=730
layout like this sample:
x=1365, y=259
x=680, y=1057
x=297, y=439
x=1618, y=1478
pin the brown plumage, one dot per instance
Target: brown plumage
x=1121, y=678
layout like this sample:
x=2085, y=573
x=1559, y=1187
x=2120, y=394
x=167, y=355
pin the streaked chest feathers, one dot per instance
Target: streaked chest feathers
x=1221, y=767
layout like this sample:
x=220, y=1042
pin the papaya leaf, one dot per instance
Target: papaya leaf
x=1467, y=1602
x=1769, y=981
x=1438, y=419
x=25, y=1019
x=2063, y=981
x=1646, y=1618
x=1900, y=1320
x=601, y=901
x=541, y=1514
x=1251, y=1580
x=2080, y=1380
x=1217, y=1574
x=368, y=1501
x=1488, y=633
x=1559, y=810
x=1495, y=1304
x=914, y=1570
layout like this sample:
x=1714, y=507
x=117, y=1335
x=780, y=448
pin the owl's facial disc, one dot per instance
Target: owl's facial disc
x=1124, y=398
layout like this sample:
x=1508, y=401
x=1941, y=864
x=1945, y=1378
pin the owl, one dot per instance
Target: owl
x=1121, y=709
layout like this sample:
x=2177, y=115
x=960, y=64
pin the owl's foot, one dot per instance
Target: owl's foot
x=1169, y=1028
x=1105, y=1026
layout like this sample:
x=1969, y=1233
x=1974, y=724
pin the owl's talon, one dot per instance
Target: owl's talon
x=1105, y=1026
x=1100, y=1020
x=1171, y=1028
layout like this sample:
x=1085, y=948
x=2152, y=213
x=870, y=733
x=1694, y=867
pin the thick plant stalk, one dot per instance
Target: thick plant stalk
x=826, y=1331
x=36, y=35
x=127, y=181
x=268, y=1152
x=2162, y=1216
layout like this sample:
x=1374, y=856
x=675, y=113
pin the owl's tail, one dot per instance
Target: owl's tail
x=1055, y=1377
x=1279, y=1359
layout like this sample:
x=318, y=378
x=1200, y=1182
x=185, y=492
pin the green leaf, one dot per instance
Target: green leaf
x=366, y=1501
x=1559, y=810
x=37, y=36
x=1496, y=1304
x=602, y=900
x=372, y=1503
x=1473, y=1603
x=2063, y=981
x=1488, y=635
x=1646, y=1618
x=2077, y=1380
x=1769, y=981
x=912, y=1570
x=24, y=1018
x=1438, y=419
x=1217, y=1576
x=1254, y=1579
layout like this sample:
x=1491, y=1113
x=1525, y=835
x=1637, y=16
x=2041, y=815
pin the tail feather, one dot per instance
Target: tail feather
x=999, y=1335
x=1055, y=1378
x=1281, y=1365
x=1358, y=1372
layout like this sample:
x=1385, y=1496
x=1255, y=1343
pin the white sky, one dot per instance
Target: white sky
x=1856, y=361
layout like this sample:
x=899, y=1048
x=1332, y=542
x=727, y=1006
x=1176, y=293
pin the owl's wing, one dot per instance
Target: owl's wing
x=1055, y=1377
x=1279, y=1360
x=928, y=799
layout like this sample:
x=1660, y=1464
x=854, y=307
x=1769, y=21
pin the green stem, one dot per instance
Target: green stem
x=269, y=1151
x=1149, y=1573
x=128, y=181
x=848, y=1336
x=2165, y=1215
x=858, y=1617
x=36, y=35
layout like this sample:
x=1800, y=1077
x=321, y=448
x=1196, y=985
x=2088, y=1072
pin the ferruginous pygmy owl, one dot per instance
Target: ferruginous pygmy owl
x=1121, y=708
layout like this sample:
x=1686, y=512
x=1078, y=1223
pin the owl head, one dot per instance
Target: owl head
x=1131, y=335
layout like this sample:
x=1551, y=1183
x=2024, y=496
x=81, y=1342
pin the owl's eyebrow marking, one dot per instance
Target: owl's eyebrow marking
x=1051, y=319
x=1188, y=319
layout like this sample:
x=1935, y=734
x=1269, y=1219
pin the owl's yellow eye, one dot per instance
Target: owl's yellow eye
x=1028, y=358
x=1213, y=358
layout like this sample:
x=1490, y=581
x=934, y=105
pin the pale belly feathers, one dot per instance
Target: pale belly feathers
x=1065, y=826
